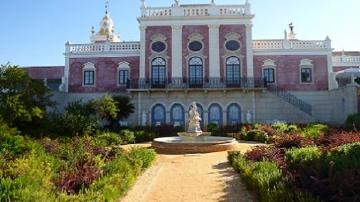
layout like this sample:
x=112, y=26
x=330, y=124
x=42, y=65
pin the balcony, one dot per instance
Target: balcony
x=179, y=84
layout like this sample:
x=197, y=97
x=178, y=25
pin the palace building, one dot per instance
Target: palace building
x=205, y=53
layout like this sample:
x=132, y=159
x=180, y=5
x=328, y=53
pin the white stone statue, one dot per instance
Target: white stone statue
x=194, y=119
x=143, y=118
x=248, y=117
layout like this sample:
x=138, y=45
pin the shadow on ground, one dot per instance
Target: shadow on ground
x=234, y=189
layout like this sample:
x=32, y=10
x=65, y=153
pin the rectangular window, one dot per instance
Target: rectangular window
x=306, y=75
x=89, y=78
x=269, y=74
x=123, y=77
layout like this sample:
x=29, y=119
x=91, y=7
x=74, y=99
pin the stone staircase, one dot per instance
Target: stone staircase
x=291, y=99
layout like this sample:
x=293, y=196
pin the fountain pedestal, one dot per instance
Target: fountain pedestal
x=194, y=140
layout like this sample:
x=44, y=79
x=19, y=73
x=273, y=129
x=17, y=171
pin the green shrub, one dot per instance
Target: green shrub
x=314, y=131
x=127, y=136
x=144, y=136
x=298, y=156
x=283, y=127
x=255, y=135
x=346, y=156
x=267, y=179
x=212, y=127
x=147, y=156
x=29, y=178
x=108, y=139
x=353, y=121
x=118, y=177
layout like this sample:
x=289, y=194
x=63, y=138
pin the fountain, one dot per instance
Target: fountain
x=193, y=140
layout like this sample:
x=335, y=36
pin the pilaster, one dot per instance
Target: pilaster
x=176, y=51
x=249, y=51
x=214, y=51
x=142, y=51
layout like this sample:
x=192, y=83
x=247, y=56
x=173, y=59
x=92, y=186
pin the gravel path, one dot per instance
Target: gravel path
x=190, y=178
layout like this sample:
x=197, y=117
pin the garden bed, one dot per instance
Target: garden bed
x=67, y=169
x=302, y=163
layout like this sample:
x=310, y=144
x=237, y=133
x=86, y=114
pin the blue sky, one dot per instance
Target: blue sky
x=33, y=32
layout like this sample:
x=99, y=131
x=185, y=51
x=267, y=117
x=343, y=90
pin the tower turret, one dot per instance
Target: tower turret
x=107, y=31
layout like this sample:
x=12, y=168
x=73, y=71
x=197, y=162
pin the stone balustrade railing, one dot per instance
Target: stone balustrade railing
x=197, y=10
x=125, y=47
x=346, y=59
x=291, y=44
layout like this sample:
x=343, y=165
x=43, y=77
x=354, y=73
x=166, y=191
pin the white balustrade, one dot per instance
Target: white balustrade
x=196, y=10
x=291, y=44
x=103, y=47
x=346, y=59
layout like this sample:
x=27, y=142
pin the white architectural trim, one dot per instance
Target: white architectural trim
x=306, y=63
x=142, y=51
x=88, y=67
x=332, y=83
x=249, y=51
x=289, y=52
x=214, y=51
x=204, y=20
x=269, y=64
x=122, y=66
x=176, y=59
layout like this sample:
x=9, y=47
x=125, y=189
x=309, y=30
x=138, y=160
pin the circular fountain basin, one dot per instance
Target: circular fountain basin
x=188, y=145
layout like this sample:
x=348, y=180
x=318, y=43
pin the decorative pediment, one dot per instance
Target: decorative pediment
x=269, y=63
x=124, y=65
x=158, y=37
x=195, y=37
x=306, y=62
x=232, y=36
x=89, y=65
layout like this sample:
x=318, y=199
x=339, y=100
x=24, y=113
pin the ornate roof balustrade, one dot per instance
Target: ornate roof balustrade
x=196, y=10
x=108, y=47
x=345, y=60
x=198, y=83
x=292, y=44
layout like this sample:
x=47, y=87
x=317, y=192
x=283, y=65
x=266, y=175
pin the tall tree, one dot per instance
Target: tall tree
x=21, y=98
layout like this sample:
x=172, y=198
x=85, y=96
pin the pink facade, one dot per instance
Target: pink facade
x=241, y=30
x=106, y=74
x=150, y=32
x=188, y=30
x=40, y=73
x=287, y=71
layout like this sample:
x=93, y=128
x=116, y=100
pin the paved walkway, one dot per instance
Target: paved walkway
x=190, y=178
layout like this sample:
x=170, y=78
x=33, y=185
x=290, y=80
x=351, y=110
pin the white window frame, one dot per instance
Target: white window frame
x=123, y=66
x=88, y=67
x=269, y=64
x=306, y=64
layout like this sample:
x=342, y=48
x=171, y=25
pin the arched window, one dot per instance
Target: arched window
x=201, y=112
x=158, y=115
x=195, y=72
x=233, y=71
x=215, y=114
x=158, y=72
x=177, y=115
x=233, y=114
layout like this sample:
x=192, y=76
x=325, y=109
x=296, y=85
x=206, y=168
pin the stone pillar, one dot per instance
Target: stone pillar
x=249, y=51
x=142, y=51
x=176, y=51
x=214, y=51
x=67, y=67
